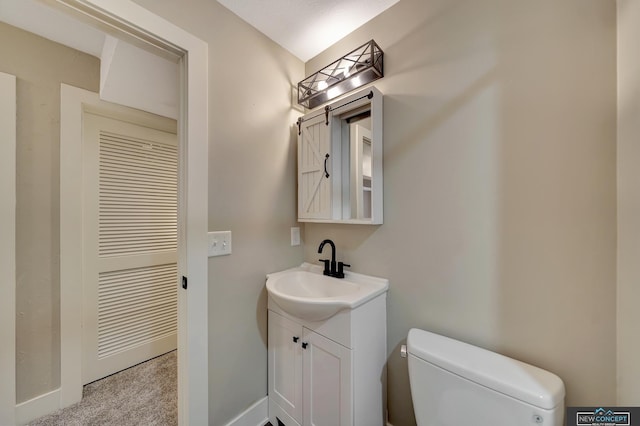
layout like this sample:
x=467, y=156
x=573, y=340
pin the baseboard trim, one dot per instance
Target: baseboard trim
x=37, y=407
x=256, y=415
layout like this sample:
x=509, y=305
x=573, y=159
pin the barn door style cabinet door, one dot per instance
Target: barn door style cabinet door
x=340, y=161
x=314, y=161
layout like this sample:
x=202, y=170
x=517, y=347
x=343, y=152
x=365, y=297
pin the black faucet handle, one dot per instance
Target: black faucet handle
x=327, y=270
x=340, y=271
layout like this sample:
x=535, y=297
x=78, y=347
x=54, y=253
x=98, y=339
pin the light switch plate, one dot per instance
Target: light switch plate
x=219, y=243
x=295, y=236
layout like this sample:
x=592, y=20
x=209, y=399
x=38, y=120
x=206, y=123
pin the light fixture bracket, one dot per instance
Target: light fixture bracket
x=355, y=69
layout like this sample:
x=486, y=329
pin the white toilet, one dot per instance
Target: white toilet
x=454, y=383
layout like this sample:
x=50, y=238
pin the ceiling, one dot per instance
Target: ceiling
x=307, y=27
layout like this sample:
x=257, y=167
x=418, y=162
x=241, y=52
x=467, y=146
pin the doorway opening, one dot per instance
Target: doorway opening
x=133, y=23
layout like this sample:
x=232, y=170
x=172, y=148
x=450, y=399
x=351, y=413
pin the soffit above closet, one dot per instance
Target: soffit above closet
x=307, y=27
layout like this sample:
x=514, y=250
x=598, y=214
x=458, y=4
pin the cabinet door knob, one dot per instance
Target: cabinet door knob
x=304, y=345
x=295, y=339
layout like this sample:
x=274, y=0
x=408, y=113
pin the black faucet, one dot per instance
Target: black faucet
x=330, y=268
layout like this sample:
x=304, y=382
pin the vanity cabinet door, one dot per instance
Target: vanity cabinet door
x=327, y=381
x=314, y=169
x=285, y=365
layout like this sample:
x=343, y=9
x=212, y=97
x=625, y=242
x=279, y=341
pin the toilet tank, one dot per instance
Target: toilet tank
x=454, y=383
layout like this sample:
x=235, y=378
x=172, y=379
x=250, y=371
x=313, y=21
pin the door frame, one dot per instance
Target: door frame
x=135, y=24
x=132, y=21
x=7, y=247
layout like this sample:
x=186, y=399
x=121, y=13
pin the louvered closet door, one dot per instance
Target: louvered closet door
x=130, y=236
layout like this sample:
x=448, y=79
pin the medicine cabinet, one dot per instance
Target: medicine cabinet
x=340, y=161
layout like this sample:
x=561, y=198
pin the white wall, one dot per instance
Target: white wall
x=628, y=202
x=500, y=184
x=252, y=191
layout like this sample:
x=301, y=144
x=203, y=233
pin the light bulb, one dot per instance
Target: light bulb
x=322, y=85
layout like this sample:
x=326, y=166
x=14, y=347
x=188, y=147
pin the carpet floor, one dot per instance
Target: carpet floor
x=146, y=394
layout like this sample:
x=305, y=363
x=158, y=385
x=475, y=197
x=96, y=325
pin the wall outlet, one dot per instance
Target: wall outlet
x=295, y=236
x=219, y=243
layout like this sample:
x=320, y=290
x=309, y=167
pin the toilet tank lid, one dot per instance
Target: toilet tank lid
x=525, y=382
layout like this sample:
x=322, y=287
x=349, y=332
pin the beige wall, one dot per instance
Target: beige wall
x=500, y=184
x=628, y=202
x=40, y=66
x=252, y=173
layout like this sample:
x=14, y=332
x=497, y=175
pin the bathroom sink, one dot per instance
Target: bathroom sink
x=305, y=293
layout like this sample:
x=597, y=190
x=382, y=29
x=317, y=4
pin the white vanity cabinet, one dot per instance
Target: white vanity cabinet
x=331, y=372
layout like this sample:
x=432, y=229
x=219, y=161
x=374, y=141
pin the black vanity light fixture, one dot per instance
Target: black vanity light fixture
x=355, y=69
